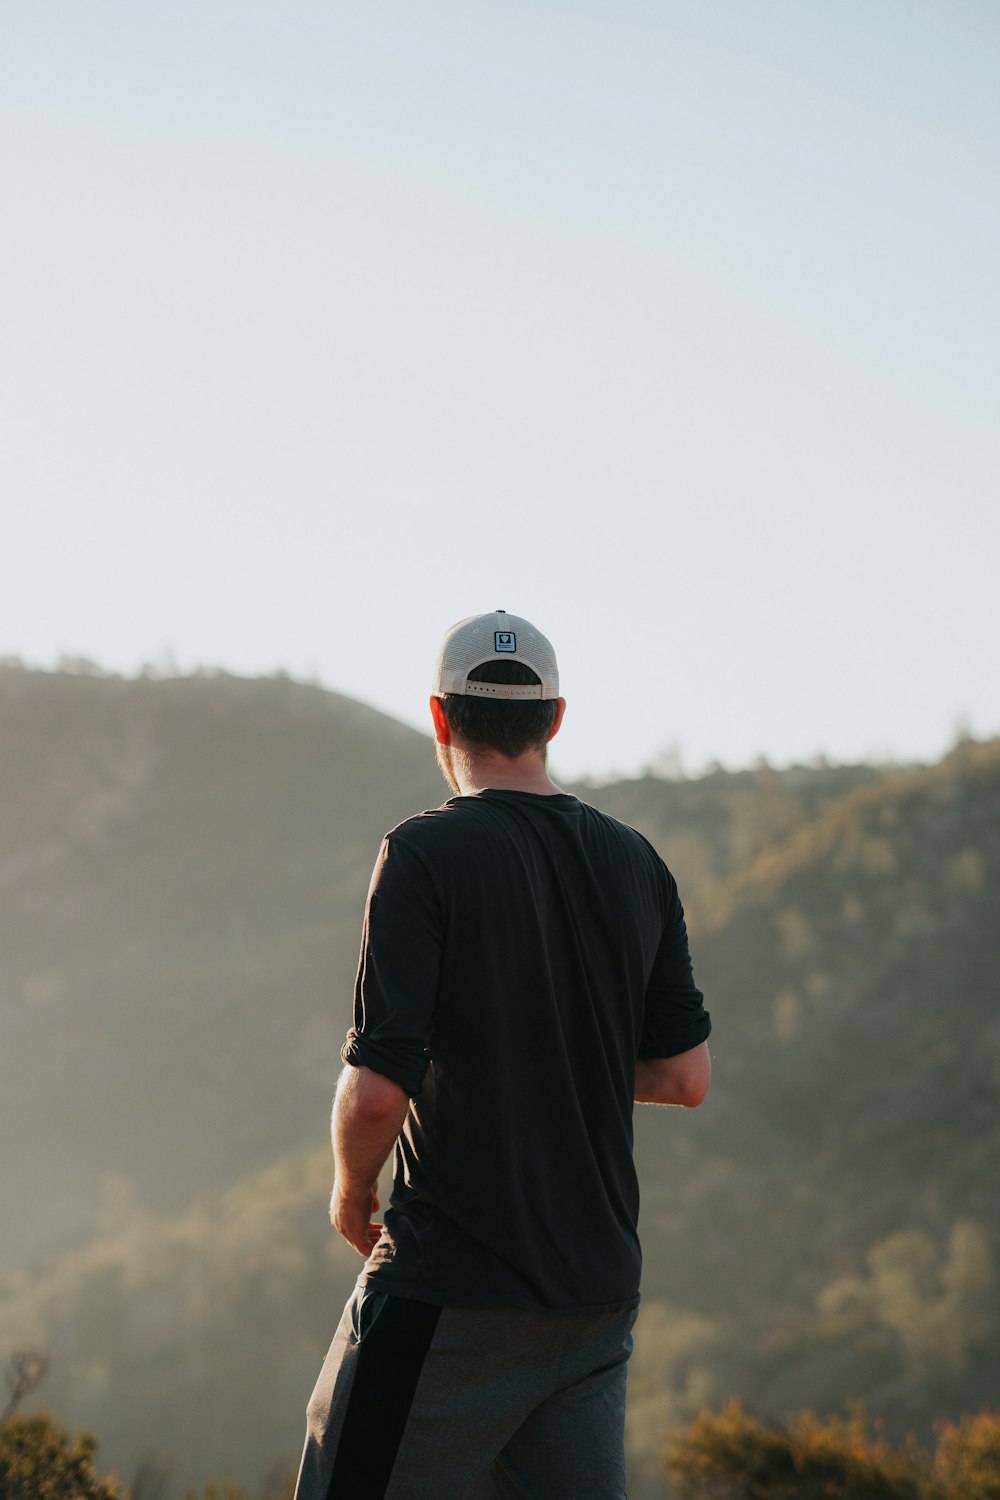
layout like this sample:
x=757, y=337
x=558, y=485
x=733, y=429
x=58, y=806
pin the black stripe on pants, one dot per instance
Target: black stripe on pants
x=390, y=1358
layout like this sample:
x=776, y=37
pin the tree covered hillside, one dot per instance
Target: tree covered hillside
x=184, y=865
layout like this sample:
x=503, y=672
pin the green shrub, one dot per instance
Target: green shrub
x=732, y=1456
x=967, y=1461
x=39, y=1462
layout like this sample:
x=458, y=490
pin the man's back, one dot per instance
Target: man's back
x=520, y=951
x=524, y=976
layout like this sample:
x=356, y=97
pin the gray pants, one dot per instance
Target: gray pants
x=416, y=1402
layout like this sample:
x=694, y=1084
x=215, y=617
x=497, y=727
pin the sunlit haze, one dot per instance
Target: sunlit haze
x=670, y=326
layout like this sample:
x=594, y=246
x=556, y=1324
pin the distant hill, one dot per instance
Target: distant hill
x=183, y=865
x=714, y=825
x=842, y=1197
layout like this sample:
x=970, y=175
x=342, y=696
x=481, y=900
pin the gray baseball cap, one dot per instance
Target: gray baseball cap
x=495, y=637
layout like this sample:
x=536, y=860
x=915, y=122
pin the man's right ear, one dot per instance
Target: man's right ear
x=560, y=710
x=442, y=729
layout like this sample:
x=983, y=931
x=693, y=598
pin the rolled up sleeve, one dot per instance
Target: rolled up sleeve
x=395, y=992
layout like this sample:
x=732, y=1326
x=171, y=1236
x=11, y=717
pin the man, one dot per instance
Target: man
x=524, y=977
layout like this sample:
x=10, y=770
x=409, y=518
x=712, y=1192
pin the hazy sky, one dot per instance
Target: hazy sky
x=672, y=326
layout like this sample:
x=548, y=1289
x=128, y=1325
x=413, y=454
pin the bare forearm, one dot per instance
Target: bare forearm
x=368, y=1114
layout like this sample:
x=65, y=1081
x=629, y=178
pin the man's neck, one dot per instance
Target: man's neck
x=480, y=773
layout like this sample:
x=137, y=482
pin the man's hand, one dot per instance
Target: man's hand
x=682, y=1079
x=350, y=1215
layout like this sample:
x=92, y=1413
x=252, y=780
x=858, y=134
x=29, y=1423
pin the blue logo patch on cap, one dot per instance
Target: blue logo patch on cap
x=504, y=640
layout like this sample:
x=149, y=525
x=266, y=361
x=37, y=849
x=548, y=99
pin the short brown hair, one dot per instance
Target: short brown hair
x=510, y=725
